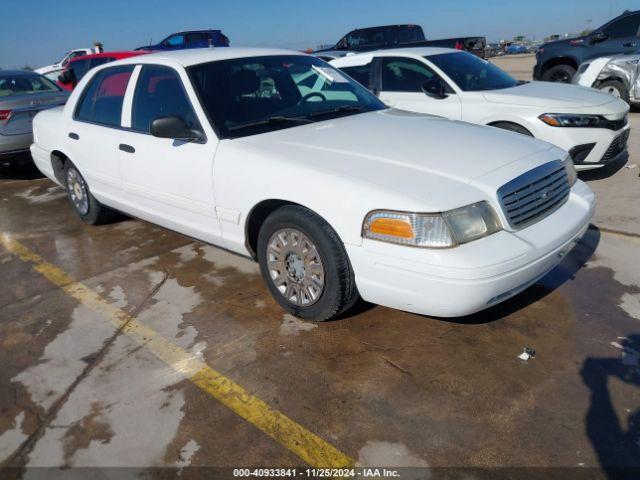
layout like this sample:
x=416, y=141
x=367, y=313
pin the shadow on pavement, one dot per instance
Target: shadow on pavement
x=565, y=271
x=617, y=445
x=19, y=167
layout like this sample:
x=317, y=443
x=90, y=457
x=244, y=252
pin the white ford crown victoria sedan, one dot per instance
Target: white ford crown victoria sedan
x=590, y=125
x=278, y=156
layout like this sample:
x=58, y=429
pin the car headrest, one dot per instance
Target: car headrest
x=244, y=82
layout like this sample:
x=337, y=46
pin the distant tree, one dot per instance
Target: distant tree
x=585, y=32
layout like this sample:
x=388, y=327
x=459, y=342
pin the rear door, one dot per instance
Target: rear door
x=621, y=37
x=167, y=181
x=401, y=81
x=96, y=132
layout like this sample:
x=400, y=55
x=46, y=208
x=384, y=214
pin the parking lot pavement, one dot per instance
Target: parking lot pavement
x=130, y=345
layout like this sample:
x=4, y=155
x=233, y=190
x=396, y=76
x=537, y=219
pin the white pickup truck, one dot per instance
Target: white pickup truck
x=279, y=156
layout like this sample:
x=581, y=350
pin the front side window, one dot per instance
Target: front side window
x=159, y=93
x=103, y=97
x=369, y=37
x=471, y=73
x=25, y=85
x=175, y=41
x=258, y=94
x=624, y=28
x=359, y=73
x=404, y=75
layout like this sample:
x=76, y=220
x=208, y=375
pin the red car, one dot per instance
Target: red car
x=79, y=66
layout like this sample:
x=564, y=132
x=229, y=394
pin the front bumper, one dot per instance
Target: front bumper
x=469, y=278
x=12, y=144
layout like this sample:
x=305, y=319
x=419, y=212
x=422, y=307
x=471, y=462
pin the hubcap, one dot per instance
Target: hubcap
x=612, y=91
x=295, y=267
x=77, y=191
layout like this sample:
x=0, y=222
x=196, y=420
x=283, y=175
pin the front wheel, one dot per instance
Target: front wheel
x=559, y=74
x=615, y=88
x=305, y=264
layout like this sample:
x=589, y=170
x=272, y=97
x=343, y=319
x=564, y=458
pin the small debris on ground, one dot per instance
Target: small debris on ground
x=527, y=353
x=633, y=165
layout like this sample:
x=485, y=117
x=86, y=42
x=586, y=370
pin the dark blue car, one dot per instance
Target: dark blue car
x=192, y=39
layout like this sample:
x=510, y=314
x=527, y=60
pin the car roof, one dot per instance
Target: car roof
x=117, y=55
x=196, y=56
x=17, y=72
x=417, y=52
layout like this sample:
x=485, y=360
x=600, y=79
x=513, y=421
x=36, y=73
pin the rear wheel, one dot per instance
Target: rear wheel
x=90, y=210
x=615, y=88
x=305, y=264
x=559, y=74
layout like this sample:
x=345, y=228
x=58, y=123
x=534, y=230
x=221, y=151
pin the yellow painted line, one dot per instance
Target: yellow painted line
x=308, y=446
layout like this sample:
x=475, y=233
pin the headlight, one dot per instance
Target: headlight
x=570, y=168
x=439, y=230
x=570, y=120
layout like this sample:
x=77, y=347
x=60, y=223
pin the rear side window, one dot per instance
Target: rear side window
x=359, y=73
x=198, y=39
x=103, y=97
x=159, y=93
x=623, y=28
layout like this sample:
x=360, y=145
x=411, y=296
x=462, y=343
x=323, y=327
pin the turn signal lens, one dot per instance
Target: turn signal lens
x=393, y=227
x=549, y=120
x=5, y=114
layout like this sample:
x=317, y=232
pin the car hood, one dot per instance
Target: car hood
x=416, y=153
x=550, y=96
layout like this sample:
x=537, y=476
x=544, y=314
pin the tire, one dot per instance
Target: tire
x=559, y=74
x=305, y=265
x=512, y=127
x=615, y=88
x=90, y=210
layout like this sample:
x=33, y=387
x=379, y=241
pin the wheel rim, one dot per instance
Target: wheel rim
x=560, y=77
x=612, y=91
x=295, y=267
x=78, y=191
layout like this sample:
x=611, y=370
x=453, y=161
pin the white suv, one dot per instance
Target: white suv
x=278, y=156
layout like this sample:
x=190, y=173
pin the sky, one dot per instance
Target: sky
x=39, y=32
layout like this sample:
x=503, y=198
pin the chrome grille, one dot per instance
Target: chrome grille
x=535, y=194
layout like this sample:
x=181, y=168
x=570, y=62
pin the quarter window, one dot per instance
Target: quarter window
x=103, y=98
x=404, y=75
x=159, y=93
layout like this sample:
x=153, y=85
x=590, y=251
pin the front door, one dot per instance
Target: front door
x=401, y=87
x=621, y=37
x=169, y=182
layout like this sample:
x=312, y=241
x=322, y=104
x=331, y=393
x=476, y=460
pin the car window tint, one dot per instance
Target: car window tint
x=199, y=39
x=625, y=27
x=404, y=75
x=359, y=73
x=24, y=84
x=176, y=40
x=159, y=93
x=103, y=97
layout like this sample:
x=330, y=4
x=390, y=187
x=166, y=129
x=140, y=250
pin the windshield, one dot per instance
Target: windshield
x=23, y=84
x=246, y=96
x=471, y=73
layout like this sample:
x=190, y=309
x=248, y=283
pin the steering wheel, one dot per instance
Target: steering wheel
x=311, y=95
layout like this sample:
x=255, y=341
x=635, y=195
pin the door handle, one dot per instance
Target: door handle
x=127, y=148
x=74, y=136
x=630, y=44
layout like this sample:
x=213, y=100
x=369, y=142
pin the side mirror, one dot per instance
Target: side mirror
x=176, y=128
x=434, y=88
x=597, y=37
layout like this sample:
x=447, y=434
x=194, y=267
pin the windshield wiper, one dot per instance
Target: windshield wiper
x=340, y=109
x=269, y=120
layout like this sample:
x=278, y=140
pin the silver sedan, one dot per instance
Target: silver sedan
x=22, y=95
